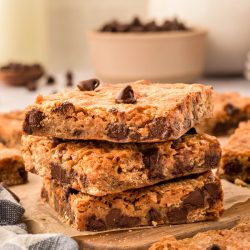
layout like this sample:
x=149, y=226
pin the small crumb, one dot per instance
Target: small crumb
x=154, y=223
x=39, y=99
x=240, y=182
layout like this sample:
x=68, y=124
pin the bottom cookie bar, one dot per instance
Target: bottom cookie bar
x=235, y=162
x=237, y=238
x=12, y=171
x=197, y=198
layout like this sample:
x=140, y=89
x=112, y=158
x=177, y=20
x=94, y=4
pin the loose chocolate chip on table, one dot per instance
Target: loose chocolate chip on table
x=50, y=80
x=31, y=86
x=88, y=85
x=126, y=96
x=230, y=109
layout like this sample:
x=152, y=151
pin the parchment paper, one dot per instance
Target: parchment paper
x=40, y=218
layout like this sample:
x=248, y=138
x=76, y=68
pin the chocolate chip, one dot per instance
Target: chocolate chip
x=159, y=128
x=212, y=156
x=214, y=192
x=88, y=85
x=191, y=131
x=44, y=194
x=94, y=224
x=214, y=247
x=154, y=215
x=126, y=96
x=50, y=80
x=115, y=219
x=31, y=86
x=12, y=193
x=77, y=132
x=151, y=160
x=23, y=174
x=194, y=200
x=59, y=174
x=33, y=121
x=233, y=168
x=231, y=110
x=64, y=108
x=117, y=131
x=177, y=215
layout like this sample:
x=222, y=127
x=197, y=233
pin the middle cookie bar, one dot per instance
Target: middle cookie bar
x=101, y=168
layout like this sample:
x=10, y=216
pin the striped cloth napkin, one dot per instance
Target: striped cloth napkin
x=14, y=235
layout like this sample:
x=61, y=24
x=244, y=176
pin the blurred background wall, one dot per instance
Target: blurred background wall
x=54, y=32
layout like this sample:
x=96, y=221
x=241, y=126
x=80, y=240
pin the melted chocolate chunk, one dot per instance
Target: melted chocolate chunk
x=117, y=131
x=94, y=224
x=191, y=131
x=88, y=85
x=59, y=174
x=154, y=215
x=126, y=96
x=116, y=219
x=212, y=156
x=177, y=215
x=233, y=168
x=159, y=128
x=214, y=192
x=64, y=108
x=194, y=200
x=231, y=110
x=33, y=121
x=151, y=160
x=214, y=247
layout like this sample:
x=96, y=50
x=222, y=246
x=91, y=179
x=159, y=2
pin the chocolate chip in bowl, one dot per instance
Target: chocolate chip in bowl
x=166, y=52
x=20, y=74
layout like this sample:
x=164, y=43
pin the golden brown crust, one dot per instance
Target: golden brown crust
x=161, y=112
x=235, y=163
x=11, y=128
x=184, y=201
x=237, y=238
x=229, y=110
x=100, y=168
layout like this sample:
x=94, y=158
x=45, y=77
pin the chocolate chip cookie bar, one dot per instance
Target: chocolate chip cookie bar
x=137, y=112
x=11, y=128
x=229, y=110
x=235, y=162
x=100, y=168
x=184, y=201
x=237, y=238
x=12, y=171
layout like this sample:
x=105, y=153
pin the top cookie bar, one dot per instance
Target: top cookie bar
x=134, y=112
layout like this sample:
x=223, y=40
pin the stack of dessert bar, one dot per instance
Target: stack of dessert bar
x=125, y=155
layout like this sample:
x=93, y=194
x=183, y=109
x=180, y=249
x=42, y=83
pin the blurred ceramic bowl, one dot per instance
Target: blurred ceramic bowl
x=162, y=57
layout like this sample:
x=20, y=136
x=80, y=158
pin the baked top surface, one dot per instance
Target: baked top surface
x=161, y=112
x=160, y=96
